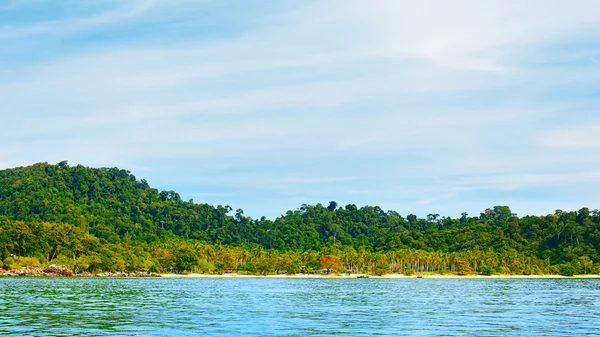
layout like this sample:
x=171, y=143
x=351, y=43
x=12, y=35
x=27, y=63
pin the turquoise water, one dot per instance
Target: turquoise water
x=299, y=307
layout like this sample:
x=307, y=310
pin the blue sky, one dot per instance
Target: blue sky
x=416, y=106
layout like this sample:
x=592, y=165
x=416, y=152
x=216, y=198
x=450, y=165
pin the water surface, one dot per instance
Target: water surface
x=299, y=307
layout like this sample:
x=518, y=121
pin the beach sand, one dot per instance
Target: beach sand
x=388, y=276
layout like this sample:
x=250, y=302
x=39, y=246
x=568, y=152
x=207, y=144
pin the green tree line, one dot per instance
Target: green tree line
x=106, y=219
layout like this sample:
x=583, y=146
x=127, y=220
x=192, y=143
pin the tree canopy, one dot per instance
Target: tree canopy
x=91, y=214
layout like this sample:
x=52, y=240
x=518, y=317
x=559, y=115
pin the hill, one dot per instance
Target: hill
x=113, y=210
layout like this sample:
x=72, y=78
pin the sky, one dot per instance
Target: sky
x=420, y=107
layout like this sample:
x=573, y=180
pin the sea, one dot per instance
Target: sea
x=298, y=307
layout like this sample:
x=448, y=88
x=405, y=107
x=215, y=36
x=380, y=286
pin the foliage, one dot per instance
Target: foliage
x=8, y=263
x=462, y=266
x=486, y=270
x=186, y=260
x=566, y=269
x=24, y=261
x=106, y=220
x=330, y=262
x=409, y=271
x=62, y=260
x=380, y=270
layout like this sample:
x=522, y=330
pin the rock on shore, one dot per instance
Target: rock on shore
x=59, y=270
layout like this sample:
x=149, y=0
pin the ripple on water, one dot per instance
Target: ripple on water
x=298, y=307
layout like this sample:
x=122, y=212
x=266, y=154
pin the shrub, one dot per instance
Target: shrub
x=24, y=261
x=294, y=268
x=380, y=270
x=566, y=270
x=409, y=271
x=504, y=270
x=8, y=262
x=250, y=268
x=345, y=271
x=552, y=270
x=220, y=268
x=311, y=266
x=486, y=270
x=87, y=263
x=62, y=260
x=528, y=271
x=205, y=267
x=155, y=268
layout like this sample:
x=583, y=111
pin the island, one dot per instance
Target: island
x=104, y=221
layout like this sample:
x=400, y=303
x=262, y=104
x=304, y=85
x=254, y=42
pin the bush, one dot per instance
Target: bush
x=155, y=268
x=23, y=261
x=62, y=260
x=537, y=270
x=409, y=271
x=250, y=268
x=486, y=270
x=552, y=270
x=205, y=267
x=380, y=270
x=504, y=270
x=220, y=268
x=87, y=263
x=345, y=271
x=8, y=262
x=566, y=270
x=311, y=266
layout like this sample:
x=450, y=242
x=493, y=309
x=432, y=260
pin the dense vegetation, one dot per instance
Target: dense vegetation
x=105, y=219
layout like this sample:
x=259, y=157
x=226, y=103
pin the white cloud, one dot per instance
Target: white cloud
x=128, y=9
x=465, y=34
x=579, y=138
x=381, y=102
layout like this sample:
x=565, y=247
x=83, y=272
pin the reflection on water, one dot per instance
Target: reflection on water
x=299, y=307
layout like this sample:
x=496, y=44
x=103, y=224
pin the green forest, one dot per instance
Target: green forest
x=105, y=219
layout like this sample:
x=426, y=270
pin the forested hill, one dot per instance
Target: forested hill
x=113, y=205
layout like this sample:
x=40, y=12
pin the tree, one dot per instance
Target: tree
x=186, y=260
x=462, y=267
x=108, y=220
x=586, y=263
x=331, y=263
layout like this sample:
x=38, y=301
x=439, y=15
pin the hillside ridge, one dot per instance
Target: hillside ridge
x=113, y=206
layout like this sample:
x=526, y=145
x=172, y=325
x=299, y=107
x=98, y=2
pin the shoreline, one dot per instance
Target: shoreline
x=61, y=271
x=298, y=276
x=388, y=276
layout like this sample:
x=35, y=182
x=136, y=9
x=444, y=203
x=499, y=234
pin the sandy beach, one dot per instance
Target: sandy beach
x=388, y=276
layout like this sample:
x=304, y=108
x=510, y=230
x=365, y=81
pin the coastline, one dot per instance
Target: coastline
x=388, y=276
x=62, y=271
x=30, y=273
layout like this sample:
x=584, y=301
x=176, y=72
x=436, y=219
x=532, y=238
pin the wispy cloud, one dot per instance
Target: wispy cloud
x=422, y=106
x=583, y=137
x=127, y=9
